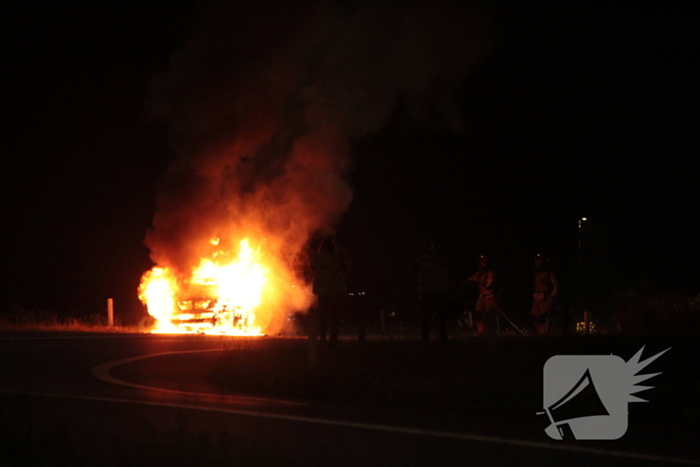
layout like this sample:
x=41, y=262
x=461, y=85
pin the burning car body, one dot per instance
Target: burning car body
x=201, y=315
x=222, y=295
x=196, y=314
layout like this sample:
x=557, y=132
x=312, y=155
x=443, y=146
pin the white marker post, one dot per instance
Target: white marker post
x=110, y=312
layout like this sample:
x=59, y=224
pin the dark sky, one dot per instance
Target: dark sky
x=581, y=109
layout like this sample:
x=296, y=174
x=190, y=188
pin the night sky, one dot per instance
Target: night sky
x=580, y=109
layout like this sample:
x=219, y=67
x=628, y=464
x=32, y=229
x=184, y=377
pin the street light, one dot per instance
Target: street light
x=586, y=314
x=581, y=220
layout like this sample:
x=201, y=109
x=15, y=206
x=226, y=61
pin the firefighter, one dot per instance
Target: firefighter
x=433, y=291
x=545, y=292
x=487, y=306
x=329, y=286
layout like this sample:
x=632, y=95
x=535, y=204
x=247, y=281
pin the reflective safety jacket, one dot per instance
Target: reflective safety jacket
x=487, y=281
x=546, y=283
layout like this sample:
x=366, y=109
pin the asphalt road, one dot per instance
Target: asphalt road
x=108, y=399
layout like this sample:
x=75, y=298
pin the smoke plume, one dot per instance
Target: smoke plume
x=265, y=99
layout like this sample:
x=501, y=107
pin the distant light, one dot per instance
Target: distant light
x=581, y=326
x=584, y=219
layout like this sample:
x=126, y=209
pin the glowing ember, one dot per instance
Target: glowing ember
x=221, y=296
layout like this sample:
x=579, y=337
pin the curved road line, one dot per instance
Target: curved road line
x=103, y=373
x=383, y=428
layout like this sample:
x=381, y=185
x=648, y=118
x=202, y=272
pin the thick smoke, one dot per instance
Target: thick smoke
x=266, y=98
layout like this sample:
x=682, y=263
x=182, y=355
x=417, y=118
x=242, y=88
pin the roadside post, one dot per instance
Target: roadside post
x=110, y=312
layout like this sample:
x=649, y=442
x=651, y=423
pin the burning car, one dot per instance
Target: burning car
x=196, y=314
x=201, y=313
x=222, y=294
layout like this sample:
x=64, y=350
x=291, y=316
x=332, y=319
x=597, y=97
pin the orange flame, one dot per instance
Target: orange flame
x=223, y=294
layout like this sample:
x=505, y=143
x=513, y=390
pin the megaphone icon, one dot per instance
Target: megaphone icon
x=582, y=400
x=587, y=410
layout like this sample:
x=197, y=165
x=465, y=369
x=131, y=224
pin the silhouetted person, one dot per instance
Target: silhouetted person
x=546, y=290
x=329, y=286
x=487, y=306
x=433, y=291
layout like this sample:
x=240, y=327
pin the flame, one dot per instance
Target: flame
x=157, y=291
x=223, y=294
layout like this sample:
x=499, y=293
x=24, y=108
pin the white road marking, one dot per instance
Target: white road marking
x=383, y=428
x=103, y=373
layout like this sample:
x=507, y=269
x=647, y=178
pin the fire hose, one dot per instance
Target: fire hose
x=524, y=333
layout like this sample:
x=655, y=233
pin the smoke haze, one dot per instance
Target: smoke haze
x=266, y=98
